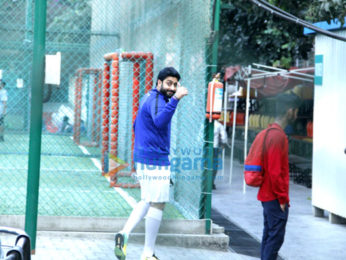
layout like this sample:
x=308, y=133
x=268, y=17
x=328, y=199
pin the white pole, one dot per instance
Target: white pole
x=301, y=74
x=246, y=120
x=279, y=74
x=233, y=131
x=211, y=108
x=224, y=127
x=268, y=67
x=304, y=69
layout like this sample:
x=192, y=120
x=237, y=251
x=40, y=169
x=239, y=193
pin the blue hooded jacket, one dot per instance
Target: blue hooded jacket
x=153, y=128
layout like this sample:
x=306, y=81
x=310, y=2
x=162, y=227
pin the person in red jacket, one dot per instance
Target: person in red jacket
x=273, y=192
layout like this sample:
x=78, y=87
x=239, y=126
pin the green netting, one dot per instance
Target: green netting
x=71, y=183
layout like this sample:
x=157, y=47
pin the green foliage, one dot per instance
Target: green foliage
x=326, y=10
x=251, y=34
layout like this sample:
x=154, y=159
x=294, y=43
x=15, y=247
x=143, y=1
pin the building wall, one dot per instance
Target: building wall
x=329, y=141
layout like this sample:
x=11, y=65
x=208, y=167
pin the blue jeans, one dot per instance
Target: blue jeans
x=275, y=221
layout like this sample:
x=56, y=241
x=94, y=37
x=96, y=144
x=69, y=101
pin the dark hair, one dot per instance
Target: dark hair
x=286, y=101
x=3, y=83
x=168, y=72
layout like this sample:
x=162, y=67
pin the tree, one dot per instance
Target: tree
x=251, y=34
x=326, y=10
x=69, y=20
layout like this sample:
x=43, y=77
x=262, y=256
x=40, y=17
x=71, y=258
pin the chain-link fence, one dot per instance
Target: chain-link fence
x=88, y=117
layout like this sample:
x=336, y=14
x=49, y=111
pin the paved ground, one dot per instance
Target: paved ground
x=307, y=237
x=49, y=248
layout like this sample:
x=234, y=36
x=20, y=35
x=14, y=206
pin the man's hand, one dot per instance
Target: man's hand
x=181, y=92
x=283, y=207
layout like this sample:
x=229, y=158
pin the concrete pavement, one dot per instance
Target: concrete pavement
x=307, y=237
x=54, y=247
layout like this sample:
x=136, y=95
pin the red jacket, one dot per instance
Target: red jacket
x=276, y=170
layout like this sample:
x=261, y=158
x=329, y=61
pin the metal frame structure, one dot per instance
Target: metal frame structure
x=264, y=71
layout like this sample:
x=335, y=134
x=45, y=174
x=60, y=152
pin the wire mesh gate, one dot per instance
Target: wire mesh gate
x=175, y=33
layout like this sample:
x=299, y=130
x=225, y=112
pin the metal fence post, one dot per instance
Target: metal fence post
x=37, y=82
x=209, y=127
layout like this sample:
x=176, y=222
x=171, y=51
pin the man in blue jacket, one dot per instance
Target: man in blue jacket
x=151, y=150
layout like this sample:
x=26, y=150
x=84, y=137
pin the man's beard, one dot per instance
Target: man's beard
x=167, y=93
